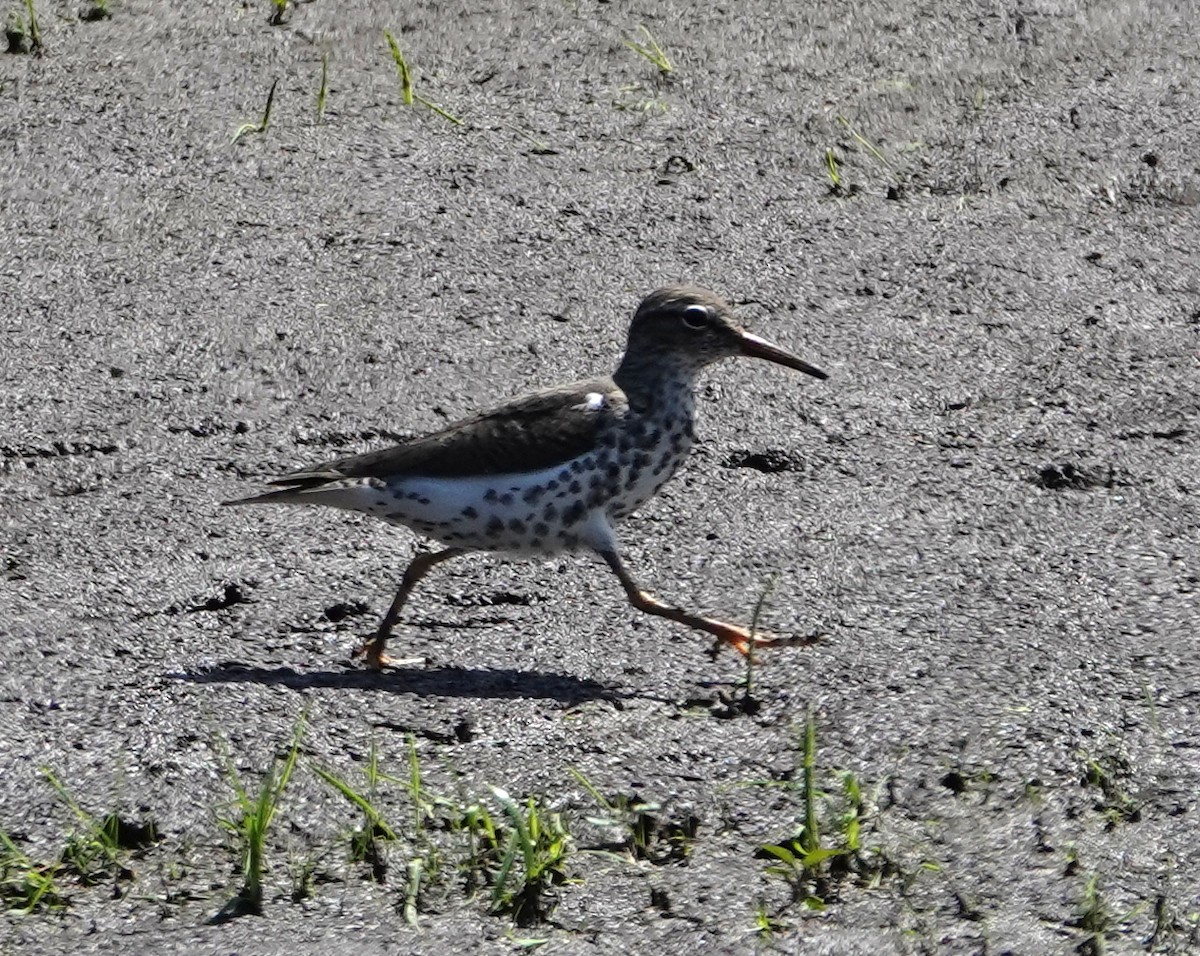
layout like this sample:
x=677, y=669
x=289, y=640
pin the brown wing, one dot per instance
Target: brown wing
x=530, y=433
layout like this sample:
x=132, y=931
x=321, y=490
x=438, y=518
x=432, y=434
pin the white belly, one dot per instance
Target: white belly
x=543, y=512
x=540, y=512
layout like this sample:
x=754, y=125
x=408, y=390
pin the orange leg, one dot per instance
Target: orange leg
x=420, y=566
x=741, y=639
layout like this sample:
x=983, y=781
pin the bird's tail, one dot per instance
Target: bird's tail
x=349, y=494
x=286, y=496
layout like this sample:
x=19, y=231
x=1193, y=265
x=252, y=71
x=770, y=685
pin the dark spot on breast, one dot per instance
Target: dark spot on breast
x=575, y=488
x=550, y=512
x=541, y=529
x=533, y=494
x=469, y=512
x=535, y=543
x=654, y=438
x=516, y=526
x=489, y=495
x=564, y=475
x=574, y=514
x=381, y=503
x=495, y=527
x=506, y=498
x=634, y=477
x=612, y=469
x=552, y=485
x=641, y=460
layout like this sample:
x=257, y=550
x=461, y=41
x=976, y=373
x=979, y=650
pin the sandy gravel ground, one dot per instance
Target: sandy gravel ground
x=982, y=218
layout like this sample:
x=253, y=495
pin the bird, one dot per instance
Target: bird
x=553, y=470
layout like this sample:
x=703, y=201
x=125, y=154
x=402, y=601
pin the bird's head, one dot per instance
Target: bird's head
x=694, y=327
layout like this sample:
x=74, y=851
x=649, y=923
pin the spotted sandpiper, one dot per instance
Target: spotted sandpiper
x=552, y=470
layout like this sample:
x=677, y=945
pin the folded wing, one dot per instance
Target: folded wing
x=528, y=434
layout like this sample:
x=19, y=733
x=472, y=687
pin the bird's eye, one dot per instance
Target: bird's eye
x=695, y=316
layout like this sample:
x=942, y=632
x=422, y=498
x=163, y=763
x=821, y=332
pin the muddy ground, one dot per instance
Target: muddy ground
x=980, y=217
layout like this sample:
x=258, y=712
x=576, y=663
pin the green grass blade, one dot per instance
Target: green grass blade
x=651, y=50
x=323, y=91
x=369, y=810
x=591, y=789
x=865, y=143
x=811, y=838
x=416, y=871
x=444, y=114
x=831, y=167
x=500, y=890
x=782, y=853
x=520, y=826
x=35, y=31
x=262, y=124
x=406, y=83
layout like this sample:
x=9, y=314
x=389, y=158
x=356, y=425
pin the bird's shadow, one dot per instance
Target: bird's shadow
x=503, y=684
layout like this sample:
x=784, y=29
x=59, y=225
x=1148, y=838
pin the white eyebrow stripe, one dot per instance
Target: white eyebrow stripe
x=593, y=401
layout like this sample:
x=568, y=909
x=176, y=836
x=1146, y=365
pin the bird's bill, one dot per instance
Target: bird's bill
x=756, y=347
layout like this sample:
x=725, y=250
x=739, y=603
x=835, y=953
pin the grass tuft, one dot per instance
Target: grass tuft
x=814, y=867
x=644, y=832
x=304, y=874
x=1105, y=774
x=255, y=814
x=534, y=860
x=367, y=845
x=96, y=853
x=23, y=34
x=652, y=51
x=26, y=886
x=766, y=926
x=1095, y=919
x=630, y=100
x=868, y=146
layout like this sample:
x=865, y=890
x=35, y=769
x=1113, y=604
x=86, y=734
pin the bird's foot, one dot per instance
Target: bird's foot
x=745, y=641
x=372, y=653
